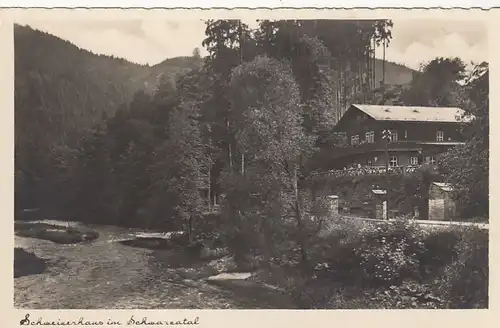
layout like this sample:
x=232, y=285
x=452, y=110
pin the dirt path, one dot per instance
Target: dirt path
x=105, y=274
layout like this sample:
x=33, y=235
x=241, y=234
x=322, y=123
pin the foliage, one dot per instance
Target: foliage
x=437, y=83
x=390, y=253
x=398, y=265
x=178, y=169
x=333, y=60
x=466, y=167
x=267, y=111
x=465, y=280
x=196, y=52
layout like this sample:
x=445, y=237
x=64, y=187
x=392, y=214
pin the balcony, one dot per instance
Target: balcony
x=379, y=146
x=365, y=171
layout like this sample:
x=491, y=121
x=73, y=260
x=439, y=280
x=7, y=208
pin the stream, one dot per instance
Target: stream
x=105, y=274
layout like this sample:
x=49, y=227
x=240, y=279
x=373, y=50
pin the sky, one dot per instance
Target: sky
x=152, y=41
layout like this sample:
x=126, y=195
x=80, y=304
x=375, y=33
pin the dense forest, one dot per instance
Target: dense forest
x=104, y=140
x=62, y=93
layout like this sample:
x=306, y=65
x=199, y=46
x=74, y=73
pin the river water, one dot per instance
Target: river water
x=105, y=274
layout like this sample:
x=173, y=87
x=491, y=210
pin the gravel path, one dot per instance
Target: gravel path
x=105, y=274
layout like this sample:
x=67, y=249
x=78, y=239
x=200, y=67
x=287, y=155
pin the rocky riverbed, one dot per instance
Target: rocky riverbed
x=106, y=274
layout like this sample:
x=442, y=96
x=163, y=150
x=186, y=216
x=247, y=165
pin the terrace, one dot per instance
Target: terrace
x=366, y=171
x=401, y=145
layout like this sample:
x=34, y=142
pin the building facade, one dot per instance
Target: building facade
x=417, y=135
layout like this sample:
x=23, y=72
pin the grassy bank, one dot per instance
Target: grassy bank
x=55, y=233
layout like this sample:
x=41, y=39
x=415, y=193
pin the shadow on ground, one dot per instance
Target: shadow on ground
x=26, y=264
x=250, y=294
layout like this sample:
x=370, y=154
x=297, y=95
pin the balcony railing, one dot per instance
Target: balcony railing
x=379, y=146
x=364, y=171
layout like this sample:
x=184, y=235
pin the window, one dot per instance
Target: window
x=430, y=160
x=355, y=140
x=393, y=161
x=394, y=136
x=406, y=134
x=413, y=160
x=440, y=136
x=370, y=137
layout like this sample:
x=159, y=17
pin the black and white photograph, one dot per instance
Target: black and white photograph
x=251, y=163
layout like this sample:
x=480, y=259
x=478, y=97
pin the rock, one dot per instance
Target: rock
x=26, y=263
x=152, y=235
x=223, y=264
x=230, y=276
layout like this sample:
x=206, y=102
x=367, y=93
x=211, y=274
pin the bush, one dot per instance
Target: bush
x=389, y=254
x=440, y=251
x=372, y=253
x=399, y=265
x=465, y=279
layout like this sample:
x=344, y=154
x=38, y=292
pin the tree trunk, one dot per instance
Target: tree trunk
x=299, y=218
x=374, y=61
x=190, y=229
x=338, y=92
x=229, y=141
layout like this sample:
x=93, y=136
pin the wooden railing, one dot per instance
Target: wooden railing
x=363, y=171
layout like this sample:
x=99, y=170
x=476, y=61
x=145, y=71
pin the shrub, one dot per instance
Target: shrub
x=465, y=279
x=390, y=253
x=399, y=265
x=440, y=251
x=372, y=253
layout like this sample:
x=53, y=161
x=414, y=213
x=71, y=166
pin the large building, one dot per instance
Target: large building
x=418, y=134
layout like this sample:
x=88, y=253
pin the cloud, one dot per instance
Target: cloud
x=451, y=45
x=152, y=41
x=416, y=42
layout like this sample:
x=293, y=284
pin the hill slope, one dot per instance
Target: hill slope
x=395, y=74
x=61, y=86
x=62, y=90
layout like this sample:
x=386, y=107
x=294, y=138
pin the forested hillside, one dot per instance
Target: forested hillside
x=395, y=74
x=67, y=87
x=61, y=91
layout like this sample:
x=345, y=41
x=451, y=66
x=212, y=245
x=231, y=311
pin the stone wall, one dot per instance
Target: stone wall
x=441, y=205
x=357, y=199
